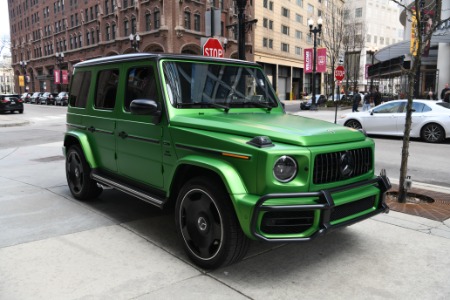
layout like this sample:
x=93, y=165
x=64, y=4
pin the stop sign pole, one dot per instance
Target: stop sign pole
x=213, y=48
x=339, y=74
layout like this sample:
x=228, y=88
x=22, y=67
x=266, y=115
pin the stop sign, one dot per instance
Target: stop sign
x=339, y=73
x=213, y=48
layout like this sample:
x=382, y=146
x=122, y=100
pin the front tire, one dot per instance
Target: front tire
x=432, y=133
x=207, y=224
x=353, y=124
x=78, y=174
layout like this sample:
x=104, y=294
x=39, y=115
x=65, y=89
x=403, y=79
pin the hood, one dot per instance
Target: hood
x=281, y=128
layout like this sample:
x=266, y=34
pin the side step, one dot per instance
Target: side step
x=128, y=189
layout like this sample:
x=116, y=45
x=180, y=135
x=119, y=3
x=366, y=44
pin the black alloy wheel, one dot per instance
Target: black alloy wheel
x=207, y=224
x=78, y=174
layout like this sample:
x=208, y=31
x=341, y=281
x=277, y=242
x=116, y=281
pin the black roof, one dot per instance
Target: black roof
x=155, y=56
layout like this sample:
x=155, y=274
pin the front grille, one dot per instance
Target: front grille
x=336, y=166
x=348, y=209
x=289, y=222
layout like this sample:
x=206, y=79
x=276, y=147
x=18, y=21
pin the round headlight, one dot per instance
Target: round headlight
x=285, y=169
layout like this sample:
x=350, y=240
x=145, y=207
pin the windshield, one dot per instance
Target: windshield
x=203, y=85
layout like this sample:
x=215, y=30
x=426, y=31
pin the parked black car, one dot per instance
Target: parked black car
x=62, y=99
x=26, y=97
x=47, y=98
x=35, y=97
x=11, y=103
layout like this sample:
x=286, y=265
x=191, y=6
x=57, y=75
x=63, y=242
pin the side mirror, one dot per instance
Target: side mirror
x=145, y=107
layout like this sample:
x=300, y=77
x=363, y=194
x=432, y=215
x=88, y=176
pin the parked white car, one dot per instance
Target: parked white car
x=430, y=120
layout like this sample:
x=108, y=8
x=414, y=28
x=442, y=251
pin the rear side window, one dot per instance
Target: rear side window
x=79, y=89
x=141, y=84
x=107, y=82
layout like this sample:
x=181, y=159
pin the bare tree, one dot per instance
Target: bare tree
x=333, y=33
x=419, y=11
x=353, y=44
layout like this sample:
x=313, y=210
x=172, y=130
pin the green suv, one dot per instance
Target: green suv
x=209, y=138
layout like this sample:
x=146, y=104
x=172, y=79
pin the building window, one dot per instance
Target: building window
x=113, y=31
x=187, y=19
x=133, y=25
x=197, y=22
x=265, y=42
x=285, y=12
x=298, y=34
x=381, y=40
x=265, y=21
x=125, y=28
x=125, y=3
x=310, y=10
x=148, y=21
x=271, y=24
x=375, y=39
x=270, y=43
x=157, y=19
x=106, y=7
x=298, y=50
x=108, y=35
x=285, y=29
x=300, y=3
x=88, y=38
x=284, y=47
x=368, y=38
x=358, y=12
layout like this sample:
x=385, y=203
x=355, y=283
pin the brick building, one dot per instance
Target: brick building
x=82, y=29
x=85, y=29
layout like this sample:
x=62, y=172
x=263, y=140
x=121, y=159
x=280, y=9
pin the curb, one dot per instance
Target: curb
x=12, y=124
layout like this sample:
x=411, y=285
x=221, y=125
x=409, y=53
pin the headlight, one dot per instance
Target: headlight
x=285, y=169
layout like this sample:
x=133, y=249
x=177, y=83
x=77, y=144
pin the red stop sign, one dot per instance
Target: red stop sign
x=339, y=73
x=213, y=48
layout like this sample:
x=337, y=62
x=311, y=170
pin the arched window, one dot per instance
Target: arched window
x=108, y=33
x=133, y=25
x=187, y=19
x=157, y=18
x=148, y=21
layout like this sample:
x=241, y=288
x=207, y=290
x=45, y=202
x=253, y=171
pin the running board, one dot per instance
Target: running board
x=128, y=189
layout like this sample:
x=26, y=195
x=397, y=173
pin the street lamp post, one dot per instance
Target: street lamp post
x=241, y=28
x=372, y=54
x=314, y=30
x=23, y=66
x=135, y=39
x=59, y=60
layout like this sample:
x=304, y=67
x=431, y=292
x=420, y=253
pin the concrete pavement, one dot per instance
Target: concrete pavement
x=54, y=247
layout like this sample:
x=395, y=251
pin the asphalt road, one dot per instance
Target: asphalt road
x=117, y=247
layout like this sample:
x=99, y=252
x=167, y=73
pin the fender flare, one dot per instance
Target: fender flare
x=84, y=144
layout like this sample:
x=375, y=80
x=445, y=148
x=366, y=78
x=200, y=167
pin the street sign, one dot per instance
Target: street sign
x=339, y=73
x=213, y=48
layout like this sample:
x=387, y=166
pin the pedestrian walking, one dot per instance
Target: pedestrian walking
x=377, y=98
x=366, y=102
x=444, y=90
x=356, y=101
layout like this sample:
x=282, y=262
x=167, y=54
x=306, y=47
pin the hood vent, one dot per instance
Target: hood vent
x=261, y=142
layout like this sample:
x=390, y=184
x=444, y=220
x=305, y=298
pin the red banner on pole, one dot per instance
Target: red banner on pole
x=57, y=77
x=308, y=59
x=65, y=77
x=321, y=60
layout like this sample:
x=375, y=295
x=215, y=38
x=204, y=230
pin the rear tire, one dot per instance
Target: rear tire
x=78, y=174
x=207, y=224
x=432, y=133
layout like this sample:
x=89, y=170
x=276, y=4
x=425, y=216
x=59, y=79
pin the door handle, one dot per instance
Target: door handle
x=123, y=134
x=91, y=129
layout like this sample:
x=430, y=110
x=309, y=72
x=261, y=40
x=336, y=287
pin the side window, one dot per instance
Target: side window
x=79, y=89
x=107, y=82
x=388, y=108
x=141, y=84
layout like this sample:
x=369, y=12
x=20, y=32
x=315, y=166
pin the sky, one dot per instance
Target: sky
x=4, y=17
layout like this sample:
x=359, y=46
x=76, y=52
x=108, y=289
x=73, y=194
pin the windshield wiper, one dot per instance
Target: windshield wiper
x=254, y=103
x=203, y=104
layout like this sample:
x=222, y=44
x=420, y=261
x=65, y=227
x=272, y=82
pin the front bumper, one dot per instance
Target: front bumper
x=326, y=206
